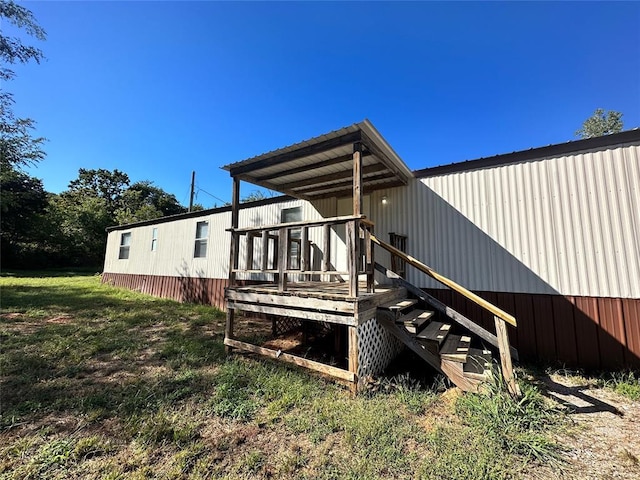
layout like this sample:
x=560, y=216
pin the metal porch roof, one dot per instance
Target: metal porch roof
x=323, y=166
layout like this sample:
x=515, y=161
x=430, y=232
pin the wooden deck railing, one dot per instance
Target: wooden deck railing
x=501, y=317
x=286, y=251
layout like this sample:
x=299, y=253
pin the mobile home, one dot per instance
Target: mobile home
x=535, y=253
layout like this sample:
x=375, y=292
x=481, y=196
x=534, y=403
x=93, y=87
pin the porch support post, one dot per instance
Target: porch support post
x=353, y=228
x=357, y=179
x=353, y=357
x=235, y=238
x=505, y=357
x=233, y=257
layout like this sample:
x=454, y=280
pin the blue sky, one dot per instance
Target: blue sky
x=158, y=89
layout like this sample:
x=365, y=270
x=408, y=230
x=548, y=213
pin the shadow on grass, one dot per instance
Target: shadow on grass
x=70, y=298
x=51, y=273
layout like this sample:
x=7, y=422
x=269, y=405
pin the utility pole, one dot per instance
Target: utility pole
x=193, y=186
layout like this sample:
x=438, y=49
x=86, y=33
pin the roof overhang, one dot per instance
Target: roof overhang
x=323, y=166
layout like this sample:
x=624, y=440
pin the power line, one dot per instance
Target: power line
x=210, y=194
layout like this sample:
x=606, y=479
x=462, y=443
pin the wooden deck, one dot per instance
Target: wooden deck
x=320, y=301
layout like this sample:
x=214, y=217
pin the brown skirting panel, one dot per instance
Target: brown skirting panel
x=586, y=332
x=208, y=291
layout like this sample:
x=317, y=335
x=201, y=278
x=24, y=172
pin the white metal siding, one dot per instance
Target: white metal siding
x=176, y=241
x=568, y=224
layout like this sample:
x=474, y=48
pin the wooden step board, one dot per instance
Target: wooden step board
x=425, y=349
x=433, y=335
x=399, y=306
x=478, y=362
x=449, y=353
x=415, y=320
x=456, y=348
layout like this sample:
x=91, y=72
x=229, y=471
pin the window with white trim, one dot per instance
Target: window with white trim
x=154, y=239
x=125, y=244
x=202, y=233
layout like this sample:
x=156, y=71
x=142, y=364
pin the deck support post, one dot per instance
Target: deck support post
x=228, y=330
x=233, y=257
x=353, y=357
x=235, y=237
x=353, y=227
x=357, y=179
x=505, y=357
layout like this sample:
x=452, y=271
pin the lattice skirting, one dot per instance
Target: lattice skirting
x=376, y=348
x=283, y=325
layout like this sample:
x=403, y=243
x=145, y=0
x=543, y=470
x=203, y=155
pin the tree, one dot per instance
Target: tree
x=22, y=204
x=144, y=201
x=104, y=184
x=18, y=147
x=100, y=198
x=81, y=223
x=84, y=211
x=601, y=123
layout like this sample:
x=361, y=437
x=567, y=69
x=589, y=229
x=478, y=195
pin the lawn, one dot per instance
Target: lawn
x=101, y=382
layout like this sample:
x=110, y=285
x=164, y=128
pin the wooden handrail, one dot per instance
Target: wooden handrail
x=510, y=319
x=304, y=223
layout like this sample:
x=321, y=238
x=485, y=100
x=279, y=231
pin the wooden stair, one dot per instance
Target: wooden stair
x=432, y=340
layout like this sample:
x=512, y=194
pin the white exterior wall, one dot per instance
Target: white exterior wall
x=175, y=249
x=568, y=224
x=176, y=241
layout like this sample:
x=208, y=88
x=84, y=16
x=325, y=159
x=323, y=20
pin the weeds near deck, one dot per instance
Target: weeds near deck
x=625, y=383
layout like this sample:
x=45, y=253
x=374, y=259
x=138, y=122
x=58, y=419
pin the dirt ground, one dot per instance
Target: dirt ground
x=603, y=441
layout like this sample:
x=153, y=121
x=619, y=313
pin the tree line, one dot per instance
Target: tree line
x=42, y=229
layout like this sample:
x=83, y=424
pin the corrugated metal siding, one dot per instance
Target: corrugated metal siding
x=207, y=291
x=568, y=224
x=175, y=246
x=175, y=249
x=586, y=332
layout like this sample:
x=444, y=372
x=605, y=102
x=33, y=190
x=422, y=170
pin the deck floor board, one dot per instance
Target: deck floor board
x=324, y=290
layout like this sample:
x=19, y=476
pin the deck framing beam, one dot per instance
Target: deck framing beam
x=286, y=357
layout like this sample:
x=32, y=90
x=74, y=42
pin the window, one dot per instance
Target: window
x=154, y=239
x=202, y=232
x=125, y=243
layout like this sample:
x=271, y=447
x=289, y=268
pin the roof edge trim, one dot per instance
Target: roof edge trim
x=573, y=146
x=201, y=213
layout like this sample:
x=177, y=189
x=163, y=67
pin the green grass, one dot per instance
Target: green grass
x=626, y=383
x=100, y=382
